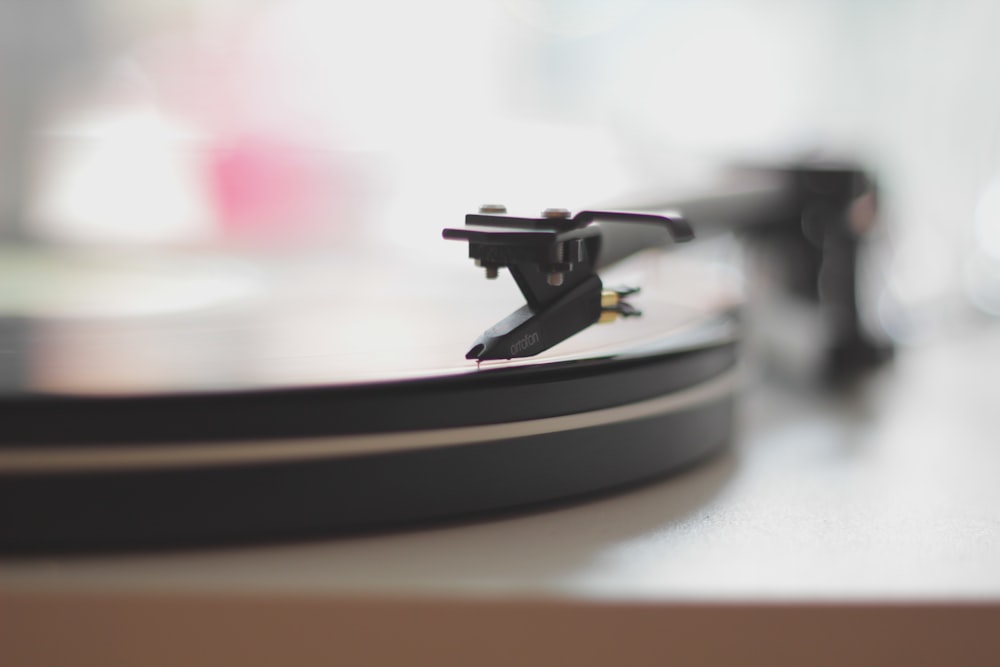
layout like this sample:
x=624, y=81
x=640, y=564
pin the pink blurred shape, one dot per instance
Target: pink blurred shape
x=267, y=190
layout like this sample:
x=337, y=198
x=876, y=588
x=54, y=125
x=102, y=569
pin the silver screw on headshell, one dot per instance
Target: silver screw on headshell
x=556, y=213
x=492, y=270
x=555, y=278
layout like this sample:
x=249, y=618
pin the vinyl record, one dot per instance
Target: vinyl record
x=294, y=412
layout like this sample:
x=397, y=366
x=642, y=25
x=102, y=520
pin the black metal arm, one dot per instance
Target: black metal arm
x=816, y=216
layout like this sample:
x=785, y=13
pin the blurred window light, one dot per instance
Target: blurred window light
x=126, y=177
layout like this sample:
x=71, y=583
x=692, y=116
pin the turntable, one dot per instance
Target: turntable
x=195, y=429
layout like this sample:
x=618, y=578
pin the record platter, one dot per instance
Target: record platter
x=299, y=415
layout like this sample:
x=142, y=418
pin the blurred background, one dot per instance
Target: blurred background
x=143, y=129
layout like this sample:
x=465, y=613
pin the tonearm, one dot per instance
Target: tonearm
x=816, y=216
